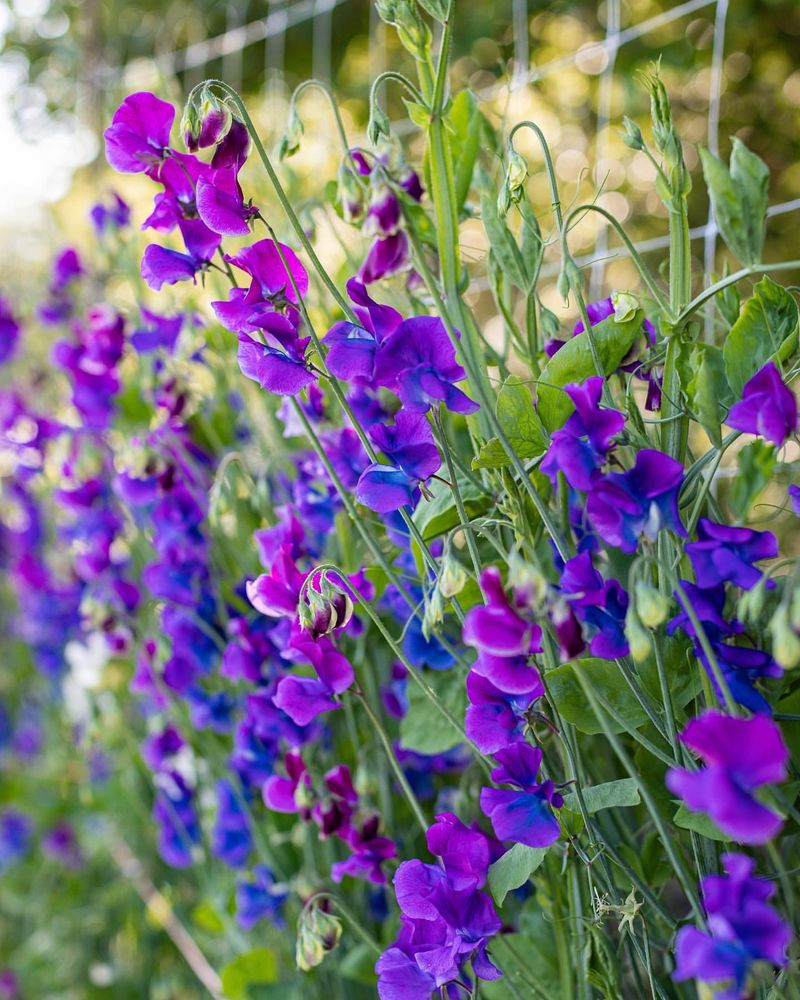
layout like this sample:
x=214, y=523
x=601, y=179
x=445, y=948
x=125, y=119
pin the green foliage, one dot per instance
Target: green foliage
x=739, y=199
x=464, y=122
x=520, y=423
x=610, y=795
x=249, y=969
x=422, y=727
x=574, y=363
x=514, y=869
x=756, y=463
x=766, y=328
x=439, y=515
x=708, y=392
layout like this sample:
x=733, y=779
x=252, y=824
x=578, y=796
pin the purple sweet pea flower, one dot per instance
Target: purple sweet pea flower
x=221, y=204
x=160, y=748
x=741, y=666
x=767, y=407
x=410, y=446
x=524, y=816
x=709, y=606
x=259, y=899
x=117, y=215
x=277, y=593
x=9, y=331
x=369, y=851
x=288, y=795
x=303, y=698
x=495, y=718
x=418, y=363
x=497, y=628
x=278, y=364
x=623, y=506
x=581, y=446
x=231, y=839
x=600, y=605
x=742, y=929
x=16, y=830
x=271, y=286
x=794, y=498
x=60, y=843
x=740, y=755
x=725, y=554
x=156, y=332
x=175, y=817
x=386, y=257
x=352, y=348
x=385, y=488
x=138, y=138
x=162, y=266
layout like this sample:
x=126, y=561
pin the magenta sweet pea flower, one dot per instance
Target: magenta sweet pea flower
x=304, y=698
x=725, y=554
x=9, y=331
x=163, y=266
x=270, y=279
x=624, y=506
x=418, y=363
x=138, y=138
x=767, y=407
x=289, y=794
x=498, y=628
x=277, y=360
x=221, y=204
x=369, y=852
x=277, y=593
x=740, y=755
x=581, y=446
x=352, y=348
x=494, y=717
x=523, y=815
x=742, y=929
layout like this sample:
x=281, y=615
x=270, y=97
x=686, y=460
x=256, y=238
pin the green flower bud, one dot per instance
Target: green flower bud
x=631, y=134
x=453, y=576
x=751, y=604
x=434, y=612
x=378, y=125
x=516, y=175
x=625, y=306
x=290, y=140
x=785, y=640
x=652, y=607
x=412, y=31
x=638, y=637
x=503, y=201
x=318, y=933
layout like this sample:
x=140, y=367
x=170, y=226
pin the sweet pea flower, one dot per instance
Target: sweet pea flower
x=794, y=498
x=304, y=698
x=221, y=204
x=231, y=839
x=624, y=506
x=523, y=815
x=352, y=348
x=767, y=407
x=271, y=286
x=740, y=756
x=581, y=446
x=418, y=363
x=600, y=605
x=259, y=899
x=9, y=331
x=369, y=851
x=163, y=266
x=156, y=332
x=743, y=929
x=414, y=458
x=495, y=718
x=287, y=795
x=498, y=628
x=176, y=820
x=138, y=138
x=725, y=554
x=116, y=215
x=16, y=831
x=278, y=362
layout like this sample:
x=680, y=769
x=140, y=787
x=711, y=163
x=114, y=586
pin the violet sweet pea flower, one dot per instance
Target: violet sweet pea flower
x=725, y=554
x=156, y=332
x=221, y=204
x=288, y=794
x=623, y=506
x=352, y=349
x=369, y=851
x=414, y=456
x=304, y=698
x=176, y=819
x=580, y=447
x=259, y=899
x=9, y=332
x=523, y=815
x=767, y=407
x=231, y=840
x=137, y=139
x=742, y=929
x=740, y=755
x=270, y=283
x=163, y=266
x=794, y=498
x=600, y=605
x=386, y=257
x=495, y=718
x=418, y=363
x=277, y=364
x=497, y=628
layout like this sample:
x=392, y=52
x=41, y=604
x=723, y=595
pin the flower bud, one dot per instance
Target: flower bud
x=290, y=140
x=527, y=582
x=453, y=576
x=625, y=306
x=378, y=125
x=318, y=934
x=327, y=606
x=751, y=604
x=206, y=121
x=412, y=31
x=785, y=641
x=434, y=612
x=516, y=175
x=503, y=201
x=350, y=195
x=631, y=135
x=638, y=637
x=652, y=607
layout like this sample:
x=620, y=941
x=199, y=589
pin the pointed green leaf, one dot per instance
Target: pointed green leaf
x=708, y=391
x=502, y=242
x=464, y=117
x=756, y=462
x=738, y=199
x=766, y=328
x=574, y=363
x=423, y=728
x=610, y=795
x=520, y=423
x=514, y=869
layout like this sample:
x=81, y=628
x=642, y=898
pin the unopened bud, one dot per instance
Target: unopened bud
x=412, y=31
x=516, y=175
x=638, y=637
x=751, y=604
x=625, y=306
x=785, y=640
x=378, y=125
x=527, y=582
x=290, y=140
x=350, y=194
x=206, y=121
x=453, y=576
x=631, y=135
x=434, y=612
x=318, y=934
x=327, y=606
x=652, y=607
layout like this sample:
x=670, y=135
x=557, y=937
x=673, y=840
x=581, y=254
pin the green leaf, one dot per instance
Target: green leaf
x=423, y=728
x=418, y=113
x=520, y=423
x=514, y=869
x=205, y=916
x=607, y=681
x=738, y=199
x=574, y=363
x=464, y=116
x=251, y=968
x=699, y=823
x=766, y=328
x=435, y=517
x=708, y=390
x=502, y=242
x=610, y=795
x=359, y=964
x=756, y=462
x=527, y=959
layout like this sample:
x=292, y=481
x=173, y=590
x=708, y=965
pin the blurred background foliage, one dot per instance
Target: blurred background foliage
x=65, y=66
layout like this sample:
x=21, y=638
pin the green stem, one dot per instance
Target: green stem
x=462, y=511
x=326, y=89
x=732, y=279
x=705, y=645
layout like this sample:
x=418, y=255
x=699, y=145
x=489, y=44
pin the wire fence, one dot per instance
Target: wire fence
x=274, y=32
